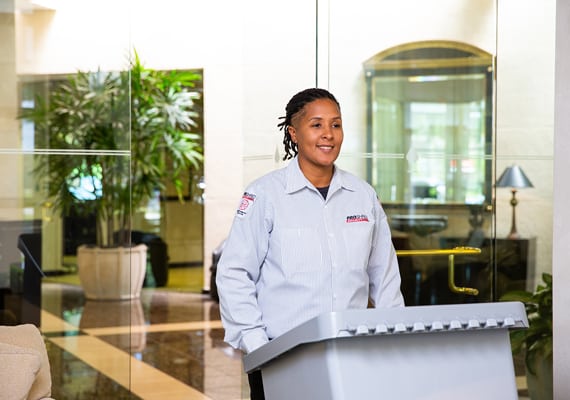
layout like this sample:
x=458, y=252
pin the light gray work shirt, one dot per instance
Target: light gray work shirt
x=292, y=255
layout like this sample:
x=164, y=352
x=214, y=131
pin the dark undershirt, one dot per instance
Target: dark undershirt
x=324, y=191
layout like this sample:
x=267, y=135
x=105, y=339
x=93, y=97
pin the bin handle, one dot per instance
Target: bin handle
x=450, y=264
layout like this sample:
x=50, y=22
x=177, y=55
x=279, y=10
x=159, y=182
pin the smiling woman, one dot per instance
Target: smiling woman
x=309, y=235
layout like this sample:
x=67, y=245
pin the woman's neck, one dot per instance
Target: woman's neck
x=319, y=177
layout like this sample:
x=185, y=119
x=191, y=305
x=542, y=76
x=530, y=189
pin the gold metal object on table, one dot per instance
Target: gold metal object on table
x=450, y=253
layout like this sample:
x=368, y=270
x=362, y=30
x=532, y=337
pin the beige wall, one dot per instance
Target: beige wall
x=525, y=118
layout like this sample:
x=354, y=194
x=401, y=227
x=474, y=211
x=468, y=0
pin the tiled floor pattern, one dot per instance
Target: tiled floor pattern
x=167, y=345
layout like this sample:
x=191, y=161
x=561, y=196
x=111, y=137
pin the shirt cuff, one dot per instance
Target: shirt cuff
x=253, y=340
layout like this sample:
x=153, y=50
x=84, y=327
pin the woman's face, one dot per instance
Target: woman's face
x=317, y=130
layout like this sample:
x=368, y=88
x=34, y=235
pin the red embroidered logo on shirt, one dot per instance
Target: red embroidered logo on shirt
x=246, y=200
x=356, y=218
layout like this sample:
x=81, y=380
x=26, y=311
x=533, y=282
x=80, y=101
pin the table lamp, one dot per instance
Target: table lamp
x=514, y=178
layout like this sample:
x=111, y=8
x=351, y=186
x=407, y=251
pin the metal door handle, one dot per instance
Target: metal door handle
x=451, y=253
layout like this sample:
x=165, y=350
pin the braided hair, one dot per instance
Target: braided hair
x=296, y=105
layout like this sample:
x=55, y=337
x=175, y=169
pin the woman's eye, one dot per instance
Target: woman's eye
x=316, y=125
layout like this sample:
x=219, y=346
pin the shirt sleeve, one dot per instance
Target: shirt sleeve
x=238, y=271
x=383, y=268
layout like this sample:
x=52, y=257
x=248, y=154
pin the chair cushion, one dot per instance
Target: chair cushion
x=19, y=367
x=27, y=337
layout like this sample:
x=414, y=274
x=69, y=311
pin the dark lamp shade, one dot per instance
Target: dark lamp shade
x=514, y=177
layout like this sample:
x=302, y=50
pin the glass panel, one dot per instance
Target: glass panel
x=419, y=125
x=45, y=44
x=430, y=131
x=39, y=164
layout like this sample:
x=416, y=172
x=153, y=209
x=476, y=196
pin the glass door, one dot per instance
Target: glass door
x=418, y=98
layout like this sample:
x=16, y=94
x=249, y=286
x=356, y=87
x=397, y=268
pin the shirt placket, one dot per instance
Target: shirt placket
x=332, y=247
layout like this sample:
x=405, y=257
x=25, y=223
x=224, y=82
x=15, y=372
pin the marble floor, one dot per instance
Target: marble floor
x=166, y=345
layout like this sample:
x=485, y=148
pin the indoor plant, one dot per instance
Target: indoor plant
x=112, y=140
x=536, y=341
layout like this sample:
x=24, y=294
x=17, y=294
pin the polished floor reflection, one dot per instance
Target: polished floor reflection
x=166, y=345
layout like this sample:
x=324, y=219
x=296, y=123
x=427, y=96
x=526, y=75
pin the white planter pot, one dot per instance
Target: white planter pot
x=112, y=273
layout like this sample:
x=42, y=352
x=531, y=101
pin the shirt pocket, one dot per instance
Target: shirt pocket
x=301, y=251
x=357, y=237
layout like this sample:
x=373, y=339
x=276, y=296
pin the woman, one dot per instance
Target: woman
x=306, y=239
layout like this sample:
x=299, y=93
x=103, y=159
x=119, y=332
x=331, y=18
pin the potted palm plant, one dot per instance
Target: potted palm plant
x=112, y=140
x=536, y=341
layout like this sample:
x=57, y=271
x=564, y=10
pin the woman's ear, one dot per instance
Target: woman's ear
x=292, y=133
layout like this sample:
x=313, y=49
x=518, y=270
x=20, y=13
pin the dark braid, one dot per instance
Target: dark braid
x=295, y=105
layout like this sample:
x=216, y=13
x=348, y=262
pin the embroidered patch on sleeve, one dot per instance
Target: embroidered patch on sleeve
x=245, y=204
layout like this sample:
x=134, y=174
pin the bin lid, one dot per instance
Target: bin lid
x=392, y=321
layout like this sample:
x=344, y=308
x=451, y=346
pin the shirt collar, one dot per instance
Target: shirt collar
x=297, y=181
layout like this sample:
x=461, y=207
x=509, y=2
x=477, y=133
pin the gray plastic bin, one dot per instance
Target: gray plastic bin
x=424, y=352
